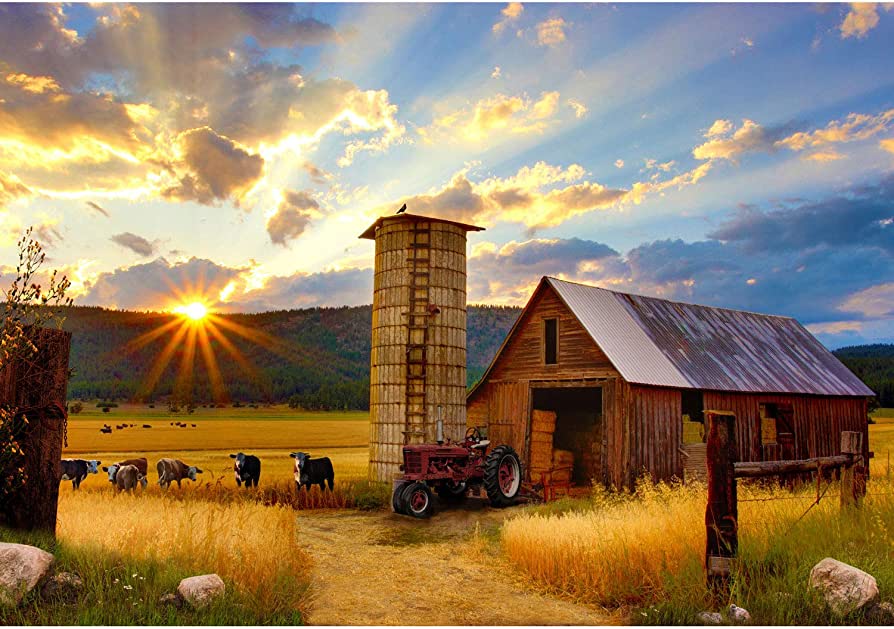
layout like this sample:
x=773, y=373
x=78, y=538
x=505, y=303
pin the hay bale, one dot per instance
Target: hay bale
x=542, y=437
x=543, y=421
x=560, y=476
x=562, y=458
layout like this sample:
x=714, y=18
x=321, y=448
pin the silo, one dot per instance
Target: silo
x=418, y=360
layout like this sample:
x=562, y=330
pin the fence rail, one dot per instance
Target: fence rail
x=722, y=515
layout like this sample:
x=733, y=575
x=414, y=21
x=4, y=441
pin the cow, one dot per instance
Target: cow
x=312, y=471
x=76, y=470
x=141, y=464
x=127, y=478
x=106, y=430
x=170, y=470
x=247, y=469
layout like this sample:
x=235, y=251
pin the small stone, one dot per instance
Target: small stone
x=21, y=568
x=881, y=614
x=65, y=587
x=739, y=615
x=200, y=590
x=845, y=588
x=171, y=599
x=710, y=618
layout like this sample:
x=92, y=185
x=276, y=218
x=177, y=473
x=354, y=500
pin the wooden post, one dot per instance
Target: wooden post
x=721, y=515
x=851, y=483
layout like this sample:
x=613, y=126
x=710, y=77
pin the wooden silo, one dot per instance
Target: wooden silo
x=418, y=360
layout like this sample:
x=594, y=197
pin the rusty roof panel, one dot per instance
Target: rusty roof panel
x=665, y=343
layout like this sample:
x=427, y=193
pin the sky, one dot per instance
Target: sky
x=730, y=155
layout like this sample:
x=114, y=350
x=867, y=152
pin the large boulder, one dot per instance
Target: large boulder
x=21, y=569
x=845, y=588
x=201, y=590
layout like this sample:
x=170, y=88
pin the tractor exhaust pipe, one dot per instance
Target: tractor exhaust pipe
x=440, y=427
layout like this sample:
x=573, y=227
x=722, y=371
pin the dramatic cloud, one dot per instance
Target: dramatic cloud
x=551, y=32
x=853, y=128
x=501, y=113
x=216, y=168
x=292, y=217
x=135, y=243
x=861, y=18
x=510, y=14
x=11, y=188
x=874, y=302
x=750, y=137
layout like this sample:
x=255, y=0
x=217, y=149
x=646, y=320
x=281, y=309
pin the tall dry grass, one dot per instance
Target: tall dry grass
x=645, y=550
x=252, y=547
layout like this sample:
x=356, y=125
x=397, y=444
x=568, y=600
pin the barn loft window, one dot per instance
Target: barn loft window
x=693, y=411
x=775, y=423
x=550, y=341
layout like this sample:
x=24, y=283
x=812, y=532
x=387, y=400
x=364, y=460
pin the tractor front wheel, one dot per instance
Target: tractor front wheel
x=502, y=476
x=397, y=500
x=418, y=500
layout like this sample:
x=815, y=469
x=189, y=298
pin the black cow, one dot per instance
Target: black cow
x=312, y=471
x=247, y=469
x=76, y=470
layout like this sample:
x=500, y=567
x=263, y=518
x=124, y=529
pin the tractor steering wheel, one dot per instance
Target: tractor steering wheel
x=473, y=433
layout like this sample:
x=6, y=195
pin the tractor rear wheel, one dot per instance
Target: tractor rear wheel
x=419, y=501
x=502, y=476
x=452, y=492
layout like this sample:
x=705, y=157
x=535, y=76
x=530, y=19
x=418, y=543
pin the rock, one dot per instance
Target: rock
x=171, y=599
x=845, y=588
x=201, y=590
x=710, y=618
x=21, y=569
x=739, y=615
x=65, y=586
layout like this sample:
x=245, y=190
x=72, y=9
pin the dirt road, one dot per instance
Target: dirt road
x=382, y=569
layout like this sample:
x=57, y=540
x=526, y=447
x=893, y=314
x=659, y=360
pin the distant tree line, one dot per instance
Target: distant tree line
x=874, y=365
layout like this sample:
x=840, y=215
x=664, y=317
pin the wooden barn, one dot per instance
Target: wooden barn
x=627, y=379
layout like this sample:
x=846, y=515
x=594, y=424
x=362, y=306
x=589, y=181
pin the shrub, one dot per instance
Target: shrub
x=75, y=408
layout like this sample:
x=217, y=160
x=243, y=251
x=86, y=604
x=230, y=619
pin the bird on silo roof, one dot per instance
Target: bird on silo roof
x=402, y=209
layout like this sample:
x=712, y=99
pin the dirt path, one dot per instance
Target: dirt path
x=382, y=569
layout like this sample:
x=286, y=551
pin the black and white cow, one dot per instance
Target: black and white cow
x=172, y=470
x=142, y=465
x=76, y=470
x=312, y=471
x=247, y=469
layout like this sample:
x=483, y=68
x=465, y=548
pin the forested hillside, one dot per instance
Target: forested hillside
x=874, y=364
x=318, y=357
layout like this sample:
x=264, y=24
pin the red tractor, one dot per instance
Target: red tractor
x=452, y=469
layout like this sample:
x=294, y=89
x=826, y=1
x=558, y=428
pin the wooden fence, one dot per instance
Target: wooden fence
x=722, y=516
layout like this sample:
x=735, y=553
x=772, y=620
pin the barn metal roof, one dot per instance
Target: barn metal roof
x=666, y=343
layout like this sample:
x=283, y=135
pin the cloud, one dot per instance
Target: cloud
x=873, y=302
x=11, y=188
x=135, y=243
x=98, y=208
x=580, y=110
x=887, y=145
x=619, y=163
x=853, y=128
x=720, y=127
x=498, y=114
x=860, y=19
x=213, y=168
x=551, y=32
x=292, y=217
x=829, y=155
x=749, y=137
x=47, y=232
x=497, y=73
x=511, y=12
x=316, y=174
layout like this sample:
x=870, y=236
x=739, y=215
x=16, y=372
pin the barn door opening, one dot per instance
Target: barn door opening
x=577, y=430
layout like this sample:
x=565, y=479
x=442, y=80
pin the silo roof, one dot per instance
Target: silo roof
x=370, y=232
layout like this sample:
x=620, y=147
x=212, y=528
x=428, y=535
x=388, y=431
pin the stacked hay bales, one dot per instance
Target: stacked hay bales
x=563, y=467
x=543, y=425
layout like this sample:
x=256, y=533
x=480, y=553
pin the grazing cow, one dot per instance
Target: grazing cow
x=76, y=470
x=127, y=478
x=170, y=470
x=147, y=425
x=247, y=469
x=312, y=471
x=107, y=430
x=141, y=464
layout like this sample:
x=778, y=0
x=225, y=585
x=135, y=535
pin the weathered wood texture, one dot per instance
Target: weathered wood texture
x=38, y=387
x=722, y=512
x=397, y=402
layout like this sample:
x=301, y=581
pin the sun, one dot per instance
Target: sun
x=195, y=310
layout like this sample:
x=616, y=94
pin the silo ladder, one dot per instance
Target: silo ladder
x=419, y=267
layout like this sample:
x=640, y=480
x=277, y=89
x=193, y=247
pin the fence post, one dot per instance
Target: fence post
x=851, y=483
x=721, y=515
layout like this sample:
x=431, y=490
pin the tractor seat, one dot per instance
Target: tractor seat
x=482, y=444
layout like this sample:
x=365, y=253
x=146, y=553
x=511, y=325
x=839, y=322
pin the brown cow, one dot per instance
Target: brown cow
x=170, y=470
x=141, y=464
x=127, y=478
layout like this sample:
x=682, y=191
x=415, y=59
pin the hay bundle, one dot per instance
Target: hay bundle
x=543, y=422
x=543, y=425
